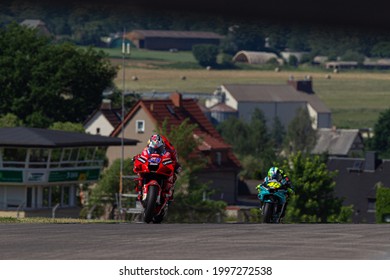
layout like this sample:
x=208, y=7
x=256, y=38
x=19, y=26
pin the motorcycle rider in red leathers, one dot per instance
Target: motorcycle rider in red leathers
x=158, y=144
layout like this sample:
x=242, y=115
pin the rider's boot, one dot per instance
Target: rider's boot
x=170, y=189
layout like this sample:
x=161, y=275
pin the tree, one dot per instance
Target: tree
x=277, y=37
x=68, y=126
x=104, y=193
x=243, y=36
x=190, y=205
x=205, y=54
x=251, y=142
x=297, y=39
x=235, y=132
x=300, y=134
x=353, y=56
x=293, y=61
x=382, y=203
x=43, y=83
x=10, y=120
x=314, y=199
x=381, y=49
x=278, y=133
x=381, y=139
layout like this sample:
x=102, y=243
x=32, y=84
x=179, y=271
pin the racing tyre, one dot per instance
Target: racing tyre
x=159, y=218
x=150, y=204
x=267, y=213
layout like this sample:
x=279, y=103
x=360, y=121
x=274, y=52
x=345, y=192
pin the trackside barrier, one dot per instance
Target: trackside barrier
x=127, y=200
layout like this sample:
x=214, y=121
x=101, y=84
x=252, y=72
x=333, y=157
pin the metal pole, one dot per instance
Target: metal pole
x=125, y=50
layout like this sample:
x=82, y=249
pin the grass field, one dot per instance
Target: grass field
x=355, y=97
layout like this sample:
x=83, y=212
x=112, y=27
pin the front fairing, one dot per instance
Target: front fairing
x=154, y=163
x=271, y=195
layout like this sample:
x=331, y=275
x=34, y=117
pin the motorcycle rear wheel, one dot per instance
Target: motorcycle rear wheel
x=150, y=204
x=268, y=210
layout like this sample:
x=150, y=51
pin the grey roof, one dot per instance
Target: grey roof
x=178, y=34
x=39, y=137
x=274, y=93
x=335, y=141
x=32, y=23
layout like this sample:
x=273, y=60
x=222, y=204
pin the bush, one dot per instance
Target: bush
x=293, y=61
x=227, y=61
x=205, y=54
x=382, y=203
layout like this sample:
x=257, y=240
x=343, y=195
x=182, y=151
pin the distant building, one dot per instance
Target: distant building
x=42, y=169
x=171, y=40
x=252, y=57
x=36, y=24
x=281, y=101
x=356, y=183
x=103, y=120
x=286, y=55
x=339, y=142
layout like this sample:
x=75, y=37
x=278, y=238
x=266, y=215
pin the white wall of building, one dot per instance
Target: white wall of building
x=99, y=122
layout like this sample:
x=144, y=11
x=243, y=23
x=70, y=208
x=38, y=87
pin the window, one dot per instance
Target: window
x=38, y=158
x=69, y=157
x=14, y=157
x=371, y=205
x=55, y=158
x=140, y=126
x=218, y=157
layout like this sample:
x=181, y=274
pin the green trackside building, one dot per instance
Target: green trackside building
x=43, y=169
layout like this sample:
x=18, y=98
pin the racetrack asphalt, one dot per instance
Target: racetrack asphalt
x=126, y=241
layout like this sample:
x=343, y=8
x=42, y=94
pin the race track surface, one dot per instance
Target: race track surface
x=128, y=241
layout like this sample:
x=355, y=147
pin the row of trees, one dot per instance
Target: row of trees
x=257, y=147
x=85, y=24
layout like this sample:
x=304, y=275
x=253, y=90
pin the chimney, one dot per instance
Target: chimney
x=106, y=104
x=176, y=99
x=371, y=161
x=302, y=85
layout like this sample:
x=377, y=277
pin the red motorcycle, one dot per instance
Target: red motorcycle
x=153, y=174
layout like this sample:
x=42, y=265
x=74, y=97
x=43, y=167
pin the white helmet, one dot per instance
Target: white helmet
x=156, y=144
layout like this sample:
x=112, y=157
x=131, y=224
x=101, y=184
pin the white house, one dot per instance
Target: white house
x=273, y=100
x=103, y=120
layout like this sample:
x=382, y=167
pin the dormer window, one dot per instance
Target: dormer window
x=140, y=126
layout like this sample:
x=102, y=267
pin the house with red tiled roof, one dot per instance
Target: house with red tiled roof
x=141, y=121
x=103, y=120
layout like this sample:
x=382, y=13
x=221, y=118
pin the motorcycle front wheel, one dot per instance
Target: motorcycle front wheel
x=150, y=204
x=159, y=218
x=268, y=211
